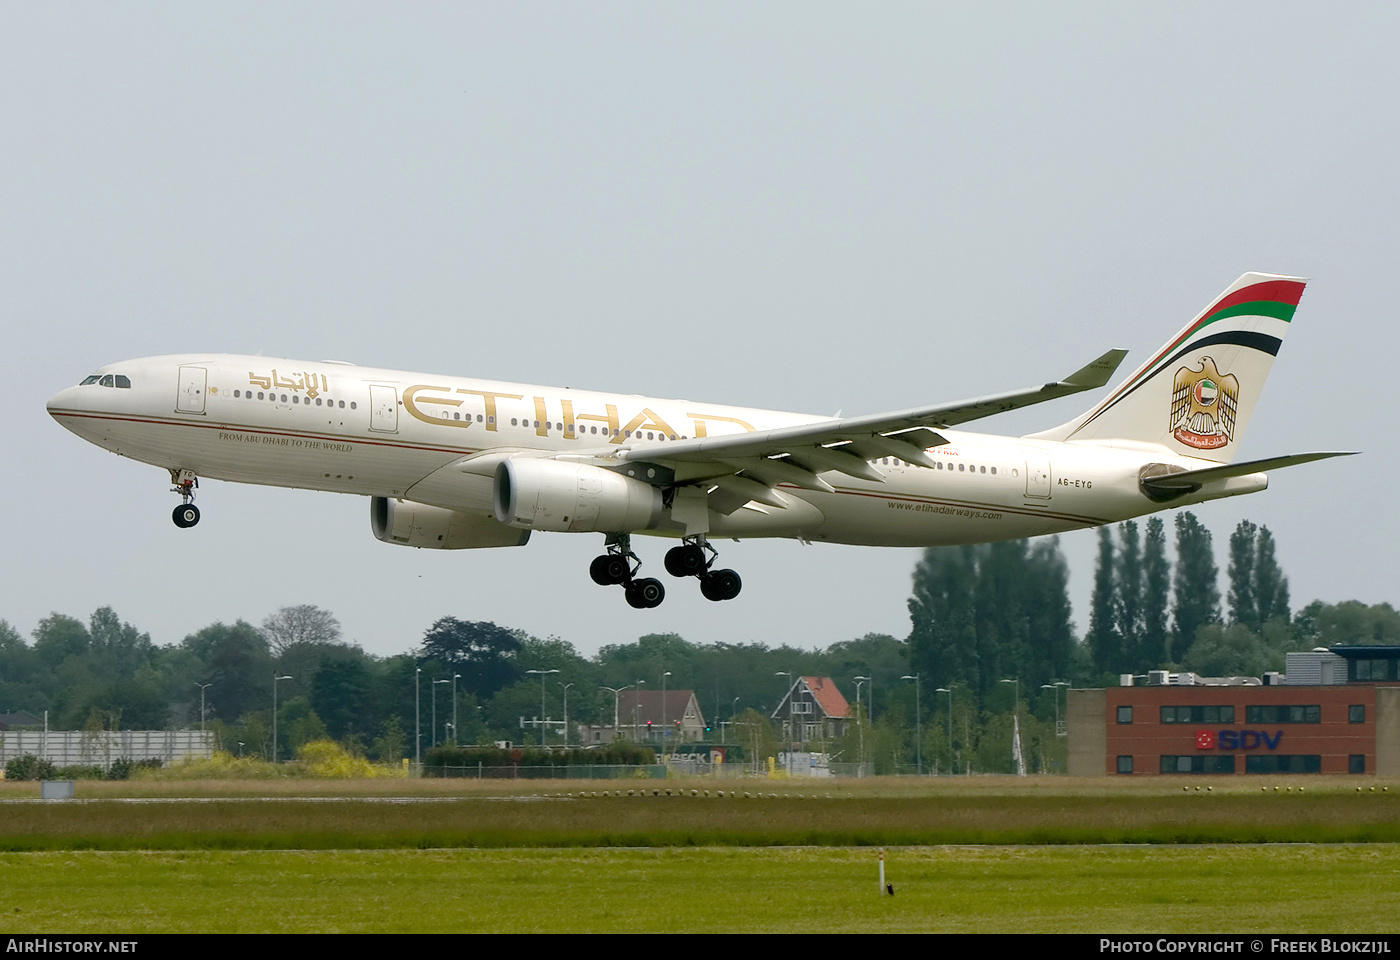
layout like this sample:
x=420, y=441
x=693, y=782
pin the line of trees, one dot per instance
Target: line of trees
x=991, y=639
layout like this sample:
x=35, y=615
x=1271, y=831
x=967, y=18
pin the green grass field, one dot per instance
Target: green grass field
x=1098, y=889
x=992, y=854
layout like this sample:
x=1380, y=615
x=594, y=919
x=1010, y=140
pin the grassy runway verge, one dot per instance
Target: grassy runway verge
x=1249, y=889
x=789, y=818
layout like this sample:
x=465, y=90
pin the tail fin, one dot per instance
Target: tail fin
x=1195, y=395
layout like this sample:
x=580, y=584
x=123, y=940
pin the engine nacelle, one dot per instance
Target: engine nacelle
x=567, y=497
x=419, y=525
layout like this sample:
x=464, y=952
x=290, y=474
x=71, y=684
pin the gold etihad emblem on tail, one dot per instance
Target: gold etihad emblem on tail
x=1203, y=406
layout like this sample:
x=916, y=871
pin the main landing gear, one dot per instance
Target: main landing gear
x=693, y=558
x=186, y=514
x=620, y=565
x=689, y=560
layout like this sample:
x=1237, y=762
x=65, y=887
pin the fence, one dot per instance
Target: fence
x=559, y=771
x=65, y=748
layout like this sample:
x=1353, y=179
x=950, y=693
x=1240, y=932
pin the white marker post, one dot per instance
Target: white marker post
x=882, y=871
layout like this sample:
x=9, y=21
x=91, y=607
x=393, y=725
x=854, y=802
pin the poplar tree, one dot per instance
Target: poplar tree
x=1129, y=589
x=1156, y=642
x=1243, y=607
x=1197, y=590
x=1270, y=584
x=1104, y=645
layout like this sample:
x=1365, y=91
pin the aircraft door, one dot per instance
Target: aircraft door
x=383, y=409
x=189, y=397
x=1038, y=475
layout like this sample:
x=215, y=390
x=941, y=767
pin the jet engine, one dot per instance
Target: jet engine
x=419, y=525
x=566, y=497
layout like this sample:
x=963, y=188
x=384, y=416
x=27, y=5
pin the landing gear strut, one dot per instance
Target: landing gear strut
x=186, y=514
x=689, y=560
x=620, y=565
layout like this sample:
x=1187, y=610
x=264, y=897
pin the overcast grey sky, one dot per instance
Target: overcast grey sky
x=802, y=206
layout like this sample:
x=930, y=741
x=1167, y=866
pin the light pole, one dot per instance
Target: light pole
x=455, y=678
x=566, y=687
x=790, y=721
x=617, y=692
x=1015, y=704
x=417, y=720
x=543, y=674
x=275, y=678
x=1059, y=730
x=918, y=726
x=202, y=687
x=638, y=685
x=860, y=727
x=664, y=675
x=434, y=698
x=952, y=764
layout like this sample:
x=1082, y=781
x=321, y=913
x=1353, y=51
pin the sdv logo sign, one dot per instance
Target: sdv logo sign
x=1237, y=739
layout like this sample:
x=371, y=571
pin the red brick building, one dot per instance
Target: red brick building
x=1222, y=728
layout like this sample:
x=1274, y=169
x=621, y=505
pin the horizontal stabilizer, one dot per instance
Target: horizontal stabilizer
x=1168, y=485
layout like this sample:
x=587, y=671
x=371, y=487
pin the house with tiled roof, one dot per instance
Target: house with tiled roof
x=813, y=711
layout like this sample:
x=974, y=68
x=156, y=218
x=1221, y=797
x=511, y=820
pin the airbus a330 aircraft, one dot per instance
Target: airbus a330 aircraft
x=451, y=463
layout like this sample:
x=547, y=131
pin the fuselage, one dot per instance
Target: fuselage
x=350, y=429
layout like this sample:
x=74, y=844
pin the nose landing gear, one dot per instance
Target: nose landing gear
x=186, y=514
x=688, y=560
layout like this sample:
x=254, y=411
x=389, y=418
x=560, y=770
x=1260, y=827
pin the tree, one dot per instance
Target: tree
x=1105, y=644
x=57, y=638
x=1244, y=609
x=341, y=696
x=1270, y=585
x=237, y=664
x=1351, y=621
x=1129, y=594
x=1156, y=647
x=1197, y=590
x=980, y=614
x=483, y=653
x=303, y=624
x=943, y=637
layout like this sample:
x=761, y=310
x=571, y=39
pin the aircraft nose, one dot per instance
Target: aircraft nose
x=61, y=401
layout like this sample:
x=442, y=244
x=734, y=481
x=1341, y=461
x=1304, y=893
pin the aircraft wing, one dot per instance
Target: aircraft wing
x=797, y=454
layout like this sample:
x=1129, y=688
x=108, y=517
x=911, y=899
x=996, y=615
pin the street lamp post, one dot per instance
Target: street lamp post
x=566, y=687
x=417, y=720
x=434, y=699
x=918, y=726
x=202, y=687
x=543, y=674
x=275, y=678
x=617, y=692
x=1056, y=687
x=455, y=678
x=790, y=722
x=952, y=764
x=664, y=675
x=860, y=727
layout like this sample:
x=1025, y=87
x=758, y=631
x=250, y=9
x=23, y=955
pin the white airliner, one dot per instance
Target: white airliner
x=453, y=463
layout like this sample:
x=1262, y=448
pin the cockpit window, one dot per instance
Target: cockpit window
x=106, y=381
x=92, y=379
x=123, y=382
x=109, y=380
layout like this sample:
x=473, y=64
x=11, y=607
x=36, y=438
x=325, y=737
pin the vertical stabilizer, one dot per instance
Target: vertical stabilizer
x=1195, y=395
